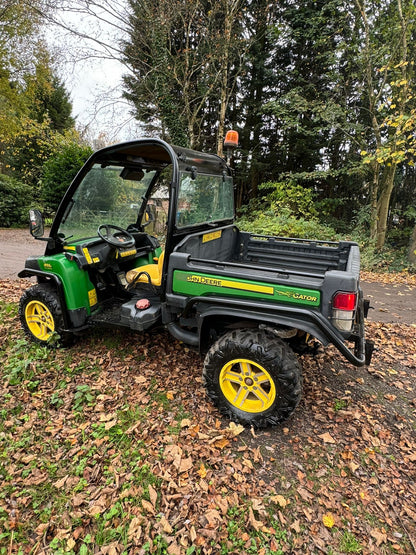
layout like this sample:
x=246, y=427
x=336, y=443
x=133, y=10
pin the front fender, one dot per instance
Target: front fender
x=44, y=277
x=76, y=293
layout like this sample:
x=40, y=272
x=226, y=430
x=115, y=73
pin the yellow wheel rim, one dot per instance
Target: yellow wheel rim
x=39, y=320
x=247, y=385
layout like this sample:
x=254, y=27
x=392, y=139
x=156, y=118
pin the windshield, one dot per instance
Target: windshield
x=206, y=198
x=106, y=195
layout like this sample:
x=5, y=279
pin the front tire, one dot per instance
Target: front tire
x=253, y=377
x=41, y=317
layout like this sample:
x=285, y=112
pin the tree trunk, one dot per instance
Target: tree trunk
x=223, y=99
x=255, y=100
x=373, y=201
x=384, y=203
x=231, y=8
x=412, y=247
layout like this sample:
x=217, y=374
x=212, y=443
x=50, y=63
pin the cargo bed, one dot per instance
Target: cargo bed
x=312, y=258
x=308, y=273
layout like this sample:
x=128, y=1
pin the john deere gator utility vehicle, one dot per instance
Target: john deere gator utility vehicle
x=246, y=301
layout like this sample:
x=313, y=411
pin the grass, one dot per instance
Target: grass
x=349, y=543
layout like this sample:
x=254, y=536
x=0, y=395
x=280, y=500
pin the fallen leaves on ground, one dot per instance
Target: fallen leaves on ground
x=401, y=278
x=111, y=447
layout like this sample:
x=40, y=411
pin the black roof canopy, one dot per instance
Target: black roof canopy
x=158, y=153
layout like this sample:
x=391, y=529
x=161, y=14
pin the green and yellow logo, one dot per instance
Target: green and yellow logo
x=295, y=295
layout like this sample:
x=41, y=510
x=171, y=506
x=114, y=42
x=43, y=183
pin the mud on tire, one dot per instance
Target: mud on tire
x=253, y=377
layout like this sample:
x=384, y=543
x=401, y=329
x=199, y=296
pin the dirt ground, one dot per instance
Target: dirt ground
x=391, y=302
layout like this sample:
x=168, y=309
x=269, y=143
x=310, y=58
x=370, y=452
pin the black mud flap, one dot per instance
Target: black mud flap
x=369, y=349
x=366, y=307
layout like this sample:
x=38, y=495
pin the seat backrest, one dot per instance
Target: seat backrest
x=160, y=261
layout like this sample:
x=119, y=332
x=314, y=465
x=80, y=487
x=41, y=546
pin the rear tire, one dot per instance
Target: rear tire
x=253, y=377
x=41, y=317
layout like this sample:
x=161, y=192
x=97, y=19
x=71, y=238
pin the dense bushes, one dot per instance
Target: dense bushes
x=15, y=200
x=288, y=194
x=59, y=171
x=286, y=210
x=285, y=224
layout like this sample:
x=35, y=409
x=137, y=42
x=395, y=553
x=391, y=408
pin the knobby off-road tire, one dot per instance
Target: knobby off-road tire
x=41, y=317
x=253, y=377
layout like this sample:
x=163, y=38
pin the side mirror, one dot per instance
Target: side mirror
x=149, y=215
x=36, y=227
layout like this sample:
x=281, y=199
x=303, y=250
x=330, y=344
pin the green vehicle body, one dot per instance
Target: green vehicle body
x=205, y=280
x=78, y=290
x=195, y=284
x=76, y=285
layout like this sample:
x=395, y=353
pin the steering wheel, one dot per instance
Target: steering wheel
x=116, y=236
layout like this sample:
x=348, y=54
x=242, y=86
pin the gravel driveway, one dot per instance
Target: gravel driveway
x=15, y=246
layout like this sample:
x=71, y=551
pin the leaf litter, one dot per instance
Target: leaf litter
x=111, y=447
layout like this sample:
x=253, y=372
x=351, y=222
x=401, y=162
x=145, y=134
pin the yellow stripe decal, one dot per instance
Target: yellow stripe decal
x=231, y=284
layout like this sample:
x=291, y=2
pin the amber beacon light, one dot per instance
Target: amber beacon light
x=231, y=139
x=230, y=143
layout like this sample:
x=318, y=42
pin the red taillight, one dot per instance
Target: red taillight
x=345, y=301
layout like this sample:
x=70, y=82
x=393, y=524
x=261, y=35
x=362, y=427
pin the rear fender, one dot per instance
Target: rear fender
x=215, y=317
x=298, y=318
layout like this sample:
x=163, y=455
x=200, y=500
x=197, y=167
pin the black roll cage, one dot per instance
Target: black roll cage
x=155, y=154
